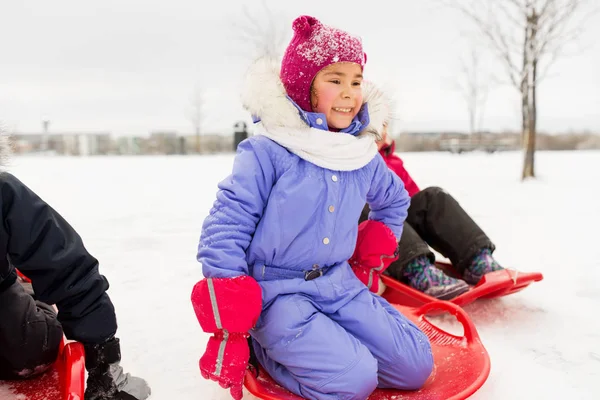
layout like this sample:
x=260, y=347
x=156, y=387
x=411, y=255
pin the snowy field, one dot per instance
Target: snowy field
x=142, y=216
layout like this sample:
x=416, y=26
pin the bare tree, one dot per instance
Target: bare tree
x=526, y=36
x=196, y=113
x=262, y=32
x=473, y=85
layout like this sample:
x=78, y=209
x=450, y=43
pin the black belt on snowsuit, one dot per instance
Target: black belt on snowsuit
x=268, y=272
x=315, y=273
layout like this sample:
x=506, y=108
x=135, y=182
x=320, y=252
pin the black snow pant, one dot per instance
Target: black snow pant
x=30, y=334
x=436, y=219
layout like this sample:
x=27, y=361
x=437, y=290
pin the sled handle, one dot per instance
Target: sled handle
x=74, y=374
x=470, y=332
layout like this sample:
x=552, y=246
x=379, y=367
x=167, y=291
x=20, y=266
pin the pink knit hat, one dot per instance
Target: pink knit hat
x=314, y=47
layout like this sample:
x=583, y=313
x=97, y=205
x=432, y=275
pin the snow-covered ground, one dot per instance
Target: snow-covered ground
x=142, y=216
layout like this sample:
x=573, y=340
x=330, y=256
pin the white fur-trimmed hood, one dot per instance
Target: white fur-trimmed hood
x=5, y=148
x=264, y=96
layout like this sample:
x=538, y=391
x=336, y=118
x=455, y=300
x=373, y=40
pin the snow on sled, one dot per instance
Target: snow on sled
x=494, y=284
x=65, y=380
x=462, y=364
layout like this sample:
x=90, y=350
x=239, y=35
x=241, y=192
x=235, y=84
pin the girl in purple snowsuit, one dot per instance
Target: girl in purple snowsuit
x=275, y=247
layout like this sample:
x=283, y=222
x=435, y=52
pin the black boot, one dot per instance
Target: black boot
x=106, y=380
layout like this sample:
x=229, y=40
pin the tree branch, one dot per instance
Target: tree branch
x=265, y=31
x=492, y=31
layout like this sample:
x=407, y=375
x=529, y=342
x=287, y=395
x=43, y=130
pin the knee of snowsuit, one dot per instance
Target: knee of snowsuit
x=357, y=380
x=333, y=339
x=30, y=334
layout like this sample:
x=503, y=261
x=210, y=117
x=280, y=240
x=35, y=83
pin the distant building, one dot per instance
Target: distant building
x=424, y=135
x=164, y=142
x=77, y=144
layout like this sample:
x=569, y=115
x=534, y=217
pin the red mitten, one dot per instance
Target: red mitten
x=228, y=308
x=376, y=248
x=368, y=276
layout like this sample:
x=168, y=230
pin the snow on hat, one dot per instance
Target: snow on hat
x=313, y=47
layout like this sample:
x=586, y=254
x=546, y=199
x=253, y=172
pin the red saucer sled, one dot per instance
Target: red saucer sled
x=494, y=284
x=462, y=364
x=64, y=381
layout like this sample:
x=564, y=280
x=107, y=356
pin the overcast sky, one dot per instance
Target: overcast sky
x=131, y=66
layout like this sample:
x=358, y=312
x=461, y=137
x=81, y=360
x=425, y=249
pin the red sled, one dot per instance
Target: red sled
x=23, y=277
x=494, y=284
x=64, y=381
x=462, y=364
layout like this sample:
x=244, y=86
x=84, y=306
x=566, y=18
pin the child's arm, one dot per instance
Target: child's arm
x=402, y=172
x=396, y=164
x=46, y=249
x=242, y=196
x=388, y=199
x=377, y=241
x=228, y=302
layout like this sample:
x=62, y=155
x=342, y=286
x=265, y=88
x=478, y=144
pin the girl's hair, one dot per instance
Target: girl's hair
x=313, y=91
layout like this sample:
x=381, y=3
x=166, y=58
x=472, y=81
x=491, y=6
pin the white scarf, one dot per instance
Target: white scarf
x=332, y=150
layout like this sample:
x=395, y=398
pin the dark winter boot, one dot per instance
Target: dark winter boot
x=422, y=275
x=482, y=264
x=106, y=379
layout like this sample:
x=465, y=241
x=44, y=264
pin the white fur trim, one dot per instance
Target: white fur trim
x=5, y=147
x=264, y=96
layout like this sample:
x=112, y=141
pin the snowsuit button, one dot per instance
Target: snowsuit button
x=326, y=240
x=319, y=121
x=334, y=178
x=331, y=209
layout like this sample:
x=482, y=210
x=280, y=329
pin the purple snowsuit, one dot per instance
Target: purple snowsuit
x=278, y=217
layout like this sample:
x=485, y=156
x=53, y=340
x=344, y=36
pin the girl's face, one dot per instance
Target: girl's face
x=337, y=93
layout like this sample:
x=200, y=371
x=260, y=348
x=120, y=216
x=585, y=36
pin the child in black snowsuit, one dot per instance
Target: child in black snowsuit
x=436, y=219
x=38, y=242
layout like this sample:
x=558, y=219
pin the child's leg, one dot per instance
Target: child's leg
x=402, y=351
x=411, y=247
x=444, y=225
x=416, y=268
x=482, y=263
x=311, y=355
x=30, y=334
